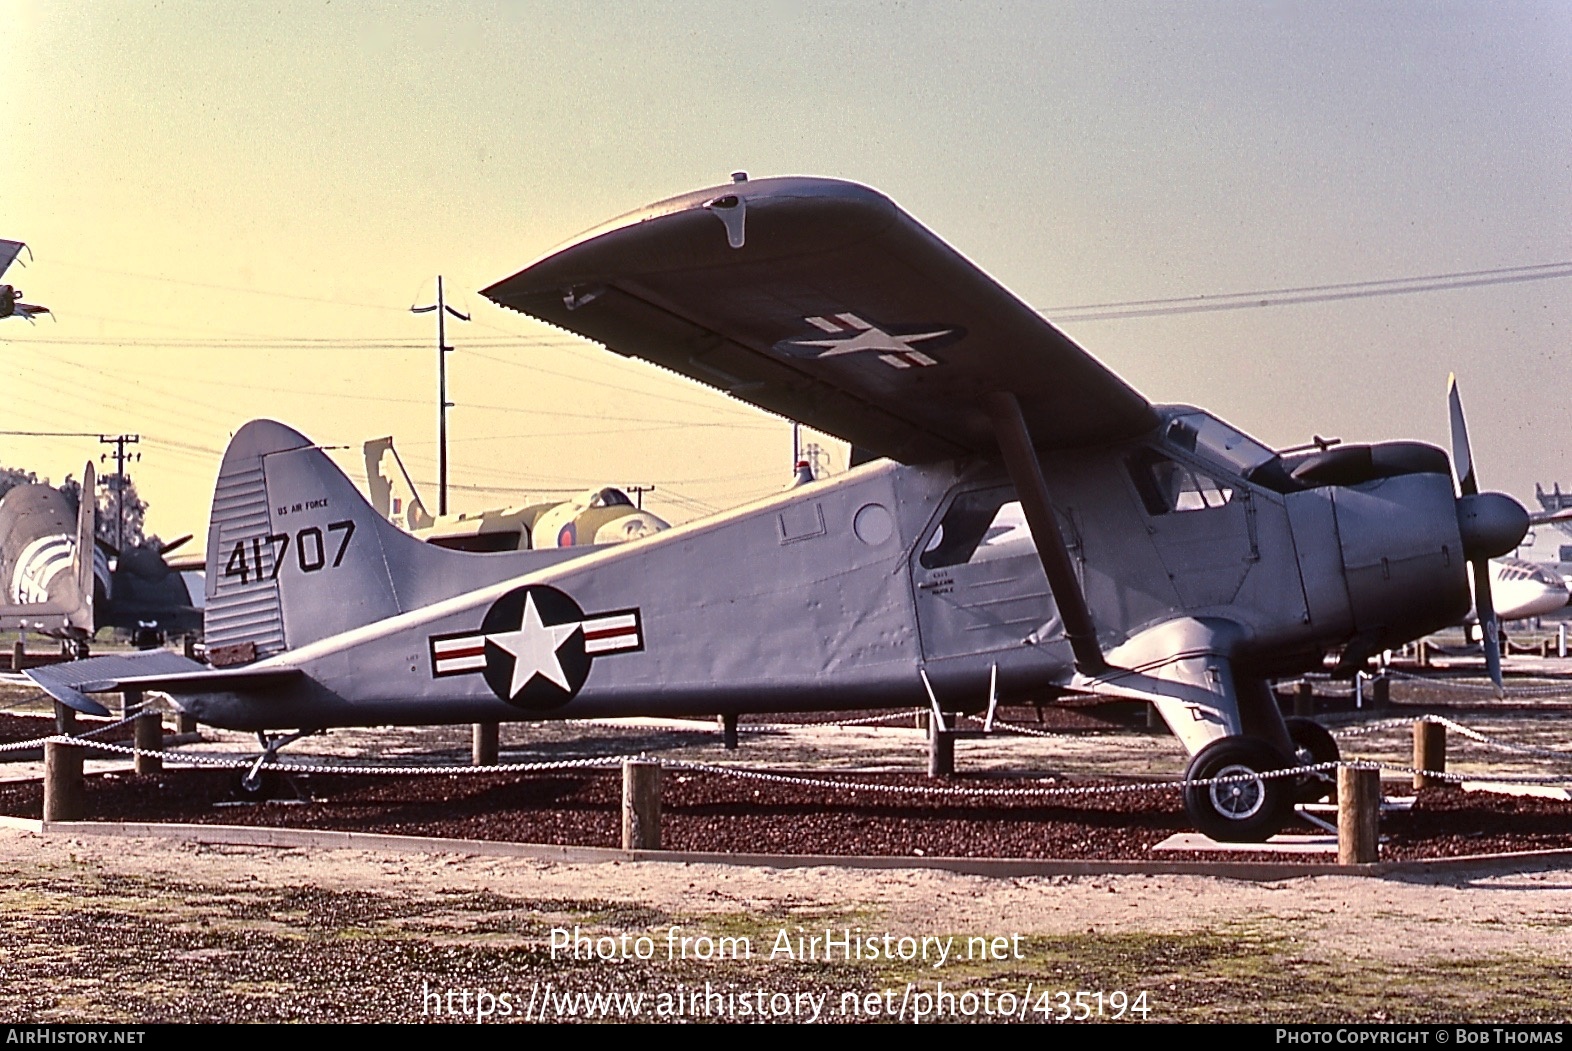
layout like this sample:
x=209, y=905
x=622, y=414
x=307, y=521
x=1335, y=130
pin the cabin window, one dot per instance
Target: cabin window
x=978, y=527
x=1169, y=487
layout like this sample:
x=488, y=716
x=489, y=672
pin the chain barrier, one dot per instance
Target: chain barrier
x=38, y=742
x=1505, y=746
x=1517, y=690
x=931, y=791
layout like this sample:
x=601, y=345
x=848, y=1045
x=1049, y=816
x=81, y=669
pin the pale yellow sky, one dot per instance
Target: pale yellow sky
x=232, y=209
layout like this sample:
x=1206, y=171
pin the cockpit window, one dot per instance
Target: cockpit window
x=610, y=497
x=1169, y=487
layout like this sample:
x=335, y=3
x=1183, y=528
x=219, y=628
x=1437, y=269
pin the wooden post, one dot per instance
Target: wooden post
x=188, y=723
x=65, y=720
x=941, y=751
x=1561, y=639
x=1358, y=815
x=130, y=702
x=1304, y=699
x=1424, y=653
x=640, y=804
x=149, y=742
x=18, y=655
x=63, y=793
x=484, y=744
x=1380, y=692
x=729, y=731
x=1429, y=753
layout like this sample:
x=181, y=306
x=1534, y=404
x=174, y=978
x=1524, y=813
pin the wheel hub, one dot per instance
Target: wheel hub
x=1238, y=800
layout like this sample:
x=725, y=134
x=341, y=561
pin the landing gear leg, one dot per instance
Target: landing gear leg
x=257, y=783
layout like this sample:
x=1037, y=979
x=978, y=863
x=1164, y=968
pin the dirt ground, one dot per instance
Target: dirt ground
x=141, y=930
x=107, y=929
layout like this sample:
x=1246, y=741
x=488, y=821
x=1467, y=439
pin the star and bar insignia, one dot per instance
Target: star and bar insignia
x=898, y=346
x=535, y=646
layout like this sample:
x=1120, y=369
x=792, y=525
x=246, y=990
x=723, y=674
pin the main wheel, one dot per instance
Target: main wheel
x=1244, y=811
x=1313, y=745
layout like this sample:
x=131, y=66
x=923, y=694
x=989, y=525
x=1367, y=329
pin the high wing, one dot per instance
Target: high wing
x=824, y=302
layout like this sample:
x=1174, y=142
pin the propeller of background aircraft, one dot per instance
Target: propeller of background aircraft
x=1491, y=525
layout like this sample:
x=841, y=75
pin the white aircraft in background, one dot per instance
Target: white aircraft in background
x=1522, y=589
x=597, y=516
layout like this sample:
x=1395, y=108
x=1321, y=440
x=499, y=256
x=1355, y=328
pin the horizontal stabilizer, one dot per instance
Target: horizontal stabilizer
x=148, y=670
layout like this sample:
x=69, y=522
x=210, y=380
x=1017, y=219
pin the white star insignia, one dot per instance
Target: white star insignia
x=871, y=339
x=534, y=648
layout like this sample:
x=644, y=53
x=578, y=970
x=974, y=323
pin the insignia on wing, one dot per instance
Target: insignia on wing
x=896, y=346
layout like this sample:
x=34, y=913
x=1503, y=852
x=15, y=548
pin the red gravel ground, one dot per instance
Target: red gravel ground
x=707, y=812
x=711, y=812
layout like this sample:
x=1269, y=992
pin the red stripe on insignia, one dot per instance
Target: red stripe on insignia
x=611, y=633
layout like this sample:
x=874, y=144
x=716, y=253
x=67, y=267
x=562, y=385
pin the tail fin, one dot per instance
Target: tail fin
x=48, y=566
x=295, y=554
x=392, y=492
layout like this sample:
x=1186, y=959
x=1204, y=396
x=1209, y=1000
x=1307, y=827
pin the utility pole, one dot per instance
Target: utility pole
x=816, y=456
x=119, y=441
x=638, y=492
x=443, y=405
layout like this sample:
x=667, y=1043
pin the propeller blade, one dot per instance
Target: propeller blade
x=1489, y=625
x=165, y=549
x=1462, y=454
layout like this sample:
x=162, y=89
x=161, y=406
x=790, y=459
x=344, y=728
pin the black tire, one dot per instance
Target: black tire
x=1313, y=745
x=265, y=786
x=1242, y=811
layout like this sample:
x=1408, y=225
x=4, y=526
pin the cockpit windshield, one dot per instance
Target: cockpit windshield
x=1214, y=440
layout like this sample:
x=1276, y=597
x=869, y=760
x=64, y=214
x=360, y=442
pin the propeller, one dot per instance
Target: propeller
x=1491, y=524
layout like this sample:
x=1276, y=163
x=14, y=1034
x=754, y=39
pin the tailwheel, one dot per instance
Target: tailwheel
x=1313, y=745
x=1250, y=810
x=257, y=784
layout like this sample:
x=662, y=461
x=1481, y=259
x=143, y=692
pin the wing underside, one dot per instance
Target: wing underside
x=822, y=301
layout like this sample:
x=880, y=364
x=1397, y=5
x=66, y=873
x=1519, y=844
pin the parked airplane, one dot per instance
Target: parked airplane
x=599, y=516
x=11, y=304
x=52, y=584
x=51, y=590
x=1172, y=558
x=1522, y=589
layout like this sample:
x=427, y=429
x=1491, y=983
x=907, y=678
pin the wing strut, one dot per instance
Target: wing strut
x=1020, y=459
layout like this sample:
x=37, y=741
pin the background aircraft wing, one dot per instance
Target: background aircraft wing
x=8, y=253
x=824, y=302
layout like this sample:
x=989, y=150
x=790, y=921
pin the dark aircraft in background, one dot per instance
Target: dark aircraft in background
x=51, y=589
x=1168, y=558
x=11, y=304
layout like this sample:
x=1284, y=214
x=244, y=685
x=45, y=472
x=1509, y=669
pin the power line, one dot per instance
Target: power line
x=1395, y=286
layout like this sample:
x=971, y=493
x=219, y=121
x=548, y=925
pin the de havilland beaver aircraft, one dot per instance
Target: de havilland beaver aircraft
x=1171, y=558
